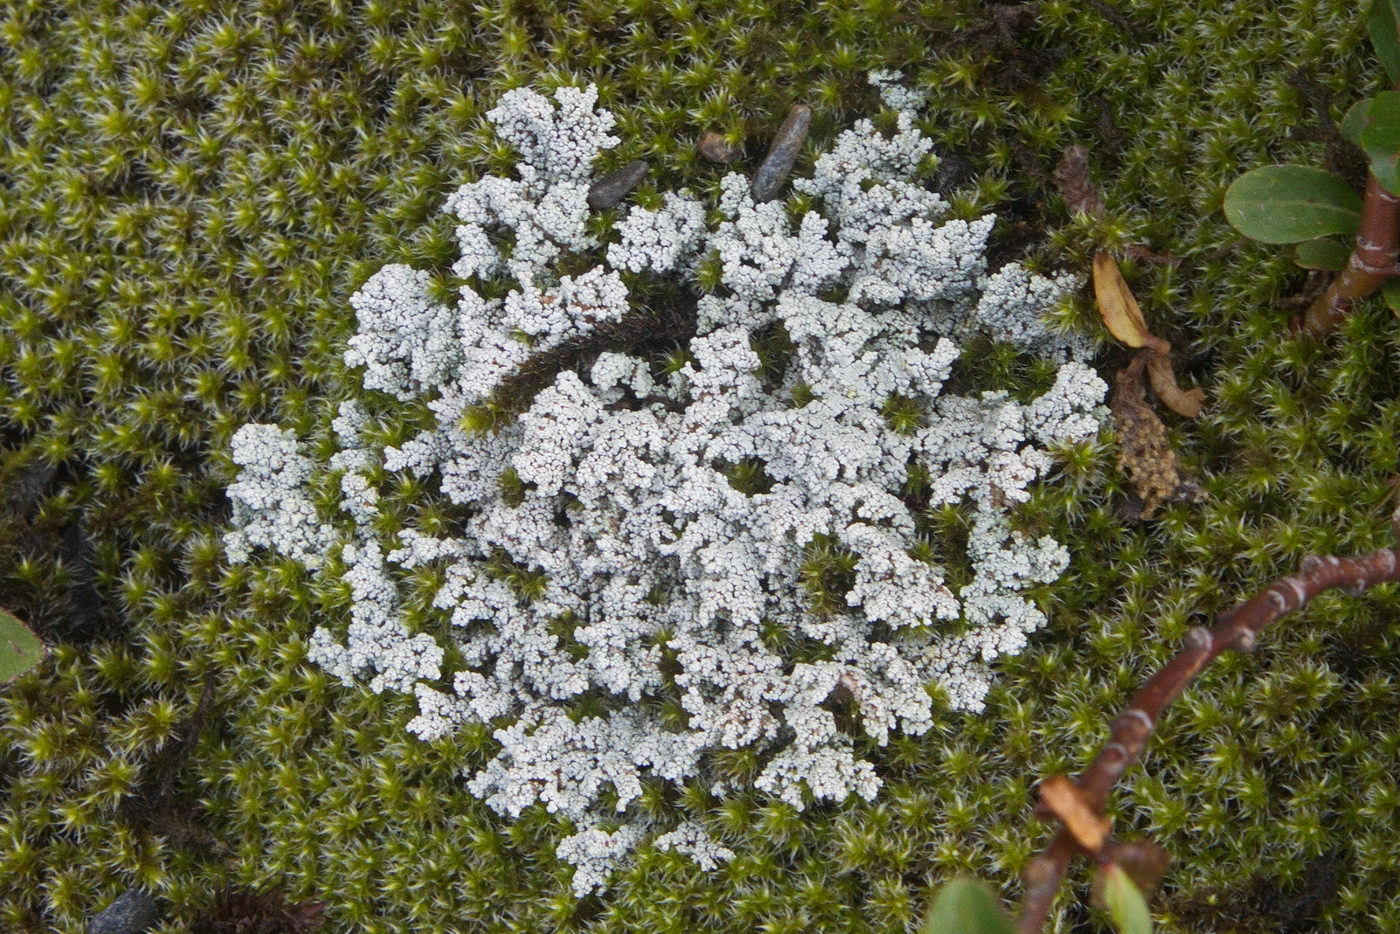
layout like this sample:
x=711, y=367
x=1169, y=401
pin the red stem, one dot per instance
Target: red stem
x=1371, y=264
x=1236, y=628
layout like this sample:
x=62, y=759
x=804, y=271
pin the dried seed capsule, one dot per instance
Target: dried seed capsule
x=716, y=148
x=782, y=154
x=613, y=187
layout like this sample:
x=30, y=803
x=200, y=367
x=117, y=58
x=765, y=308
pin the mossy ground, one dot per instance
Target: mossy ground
x=192, y=191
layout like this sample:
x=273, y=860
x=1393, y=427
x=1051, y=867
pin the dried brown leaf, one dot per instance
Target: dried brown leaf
x=716, y=148
x=1144, y=861
x=1119, y=308
x=1185, y=402
x=1076, y=187
x=1138, y=251
x=1062, y=797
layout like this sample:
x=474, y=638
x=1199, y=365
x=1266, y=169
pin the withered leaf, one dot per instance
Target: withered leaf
x=1119, y=308
x=1138, y=251
x=1076, y=187
x=716, y=148
x=1144, y=861
x=1185, y=402
x=1123, y=315
x=1062, y=797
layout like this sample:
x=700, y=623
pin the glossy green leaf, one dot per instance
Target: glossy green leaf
x=1380, y=138
x=1355, y=120
x=20, y=649
x=1126, y=906
x=1390, y=291
x=1323, y=253
x=967, y=906
x=1291, y=203
x=1381, y=25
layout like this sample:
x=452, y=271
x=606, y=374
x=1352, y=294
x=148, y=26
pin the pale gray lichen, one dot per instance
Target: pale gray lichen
x=659, y=240
x=272, y=506
x=658, y=580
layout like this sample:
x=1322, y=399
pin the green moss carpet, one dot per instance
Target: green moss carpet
x=190, y=192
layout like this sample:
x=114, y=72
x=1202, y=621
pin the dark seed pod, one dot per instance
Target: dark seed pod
x=613, y=187
x=131, y=912
x=716, y=148
x=782, y=154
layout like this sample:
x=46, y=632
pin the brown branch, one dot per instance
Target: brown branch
x=1236, y=629
x=1372, y=262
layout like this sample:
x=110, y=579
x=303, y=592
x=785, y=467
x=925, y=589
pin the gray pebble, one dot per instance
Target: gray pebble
x=782, y=154
x=613, y=187
x=131, y=912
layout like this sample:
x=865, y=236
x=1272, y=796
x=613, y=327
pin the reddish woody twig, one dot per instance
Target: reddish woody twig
x=1372, y=261
x=1236, y=629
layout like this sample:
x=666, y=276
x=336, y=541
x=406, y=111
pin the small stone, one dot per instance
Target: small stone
x=131, y=912
x=716, y=148
x=782, y=154
x=954, y=170
x=613, y=187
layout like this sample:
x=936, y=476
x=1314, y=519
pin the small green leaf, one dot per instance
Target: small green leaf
x=20, y=649
x=1390, y=291
x=1381, y=25
x=966, y=906
x=1291, y=203
x=1380, y=137
x=1126, y=906
x=1355, y=120
x=1322, y=253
